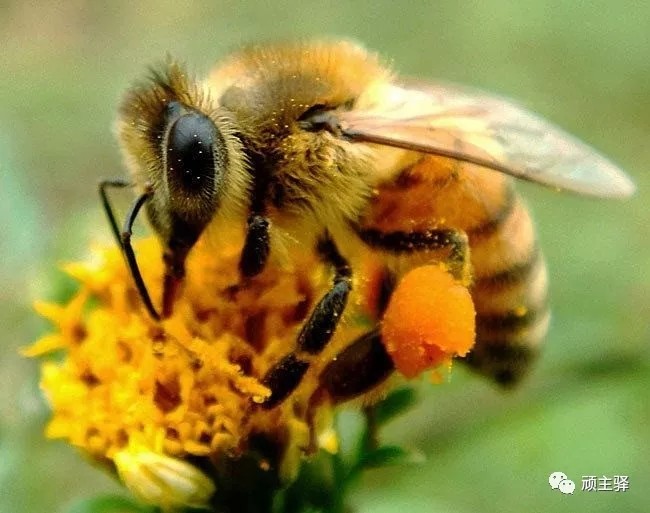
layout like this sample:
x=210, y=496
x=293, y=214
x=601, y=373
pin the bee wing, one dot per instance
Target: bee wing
x=471, y=126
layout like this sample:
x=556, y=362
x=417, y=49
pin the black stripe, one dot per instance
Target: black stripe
x=491, y=226
x=409, y=242
x=514, y=274
x=510, y=320
x=505, y=363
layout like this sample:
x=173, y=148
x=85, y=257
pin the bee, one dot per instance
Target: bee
x=321, y=145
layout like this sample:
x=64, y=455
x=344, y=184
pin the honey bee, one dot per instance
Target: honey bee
x=319, y=144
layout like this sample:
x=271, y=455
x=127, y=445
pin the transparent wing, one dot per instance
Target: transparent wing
x=474, y=127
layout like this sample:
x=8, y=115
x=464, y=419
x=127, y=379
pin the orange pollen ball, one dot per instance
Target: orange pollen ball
x=430, y=319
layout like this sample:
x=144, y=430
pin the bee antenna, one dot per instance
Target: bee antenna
x=123, y=238
x=117, y=183
x=129, y=254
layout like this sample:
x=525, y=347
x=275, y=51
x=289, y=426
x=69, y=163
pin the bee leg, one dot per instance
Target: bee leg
x=360, y=367
x=319, y=328
x=364, y=363
x=256, y=247
x=455, y=242
x=285, y=376
x=181, y=238
x=174, y=258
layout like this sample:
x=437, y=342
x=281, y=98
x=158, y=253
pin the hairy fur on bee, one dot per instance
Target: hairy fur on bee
x=318, y=146
x=307, y=176
x=339, y=182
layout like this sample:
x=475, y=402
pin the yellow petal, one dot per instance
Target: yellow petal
x=44, y=345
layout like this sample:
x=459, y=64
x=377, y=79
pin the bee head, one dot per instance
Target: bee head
x=185, y=152
x=184, y=149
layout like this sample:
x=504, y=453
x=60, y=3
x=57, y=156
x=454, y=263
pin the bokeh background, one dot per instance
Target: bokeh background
x=584, y=65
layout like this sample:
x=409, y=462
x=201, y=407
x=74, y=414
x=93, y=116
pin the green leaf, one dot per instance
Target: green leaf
x=110, y=504
x=396, y=402
x=389, y=455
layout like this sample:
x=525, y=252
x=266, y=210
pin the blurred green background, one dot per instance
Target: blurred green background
x=584, y=65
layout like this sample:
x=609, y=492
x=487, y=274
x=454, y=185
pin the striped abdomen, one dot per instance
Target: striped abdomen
x=509, y=284
x=509, y=289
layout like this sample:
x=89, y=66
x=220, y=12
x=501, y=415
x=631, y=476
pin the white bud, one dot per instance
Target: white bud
x=162, y=480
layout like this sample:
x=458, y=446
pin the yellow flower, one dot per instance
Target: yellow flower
x=169, y=406
x=130, y=391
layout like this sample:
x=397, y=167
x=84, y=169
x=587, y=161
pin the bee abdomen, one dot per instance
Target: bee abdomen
x=507, y=344
x=509, y=293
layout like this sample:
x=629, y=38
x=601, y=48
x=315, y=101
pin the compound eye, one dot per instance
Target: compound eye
x=190, y=153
